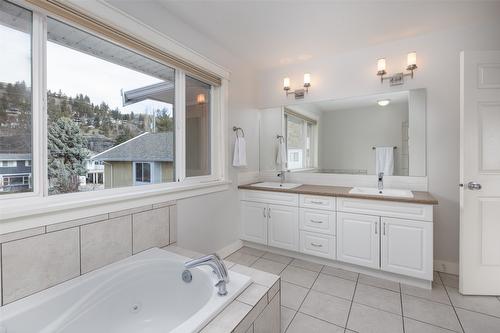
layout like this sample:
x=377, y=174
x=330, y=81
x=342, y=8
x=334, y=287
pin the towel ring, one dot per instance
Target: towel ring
x=236, y=129
x=280, y=137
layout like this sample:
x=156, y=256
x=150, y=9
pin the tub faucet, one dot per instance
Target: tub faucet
x=381, y=181
x=218, y=267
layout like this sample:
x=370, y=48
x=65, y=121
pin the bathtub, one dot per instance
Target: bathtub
x=141, y=294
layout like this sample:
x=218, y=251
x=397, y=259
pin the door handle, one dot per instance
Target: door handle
x=474, y=186
x=376, y=228
x=269, y=212
x=316, y=245
x=264, y=212
x=384, y=229
x=315, y=221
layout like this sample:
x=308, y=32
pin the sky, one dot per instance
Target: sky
x=74, y=72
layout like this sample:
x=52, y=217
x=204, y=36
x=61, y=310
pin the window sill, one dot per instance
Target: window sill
x=30, y=212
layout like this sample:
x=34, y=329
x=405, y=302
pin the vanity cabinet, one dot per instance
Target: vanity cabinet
x=283, y=227
x=406, y=247
x=358, y=239
x=269, y=223
x=390, y=236
x=253, y=226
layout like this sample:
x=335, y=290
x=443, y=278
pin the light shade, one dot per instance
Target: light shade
x=286, y=83
x=381, y=64
x=307, y=79
x=411, y=59
x=200, y=99
x=383, y=102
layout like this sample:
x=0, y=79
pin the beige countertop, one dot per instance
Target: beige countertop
x=419, y=197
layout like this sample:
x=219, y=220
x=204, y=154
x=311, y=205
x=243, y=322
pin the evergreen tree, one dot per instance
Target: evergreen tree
x=67, y=153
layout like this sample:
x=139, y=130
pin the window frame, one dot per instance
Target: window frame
x=313, y=148
x=39, y=198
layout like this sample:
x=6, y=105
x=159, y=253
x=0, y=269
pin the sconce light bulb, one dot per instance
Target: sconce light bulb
x=383, y=102
x=381, y=65
x=307, y=80
x=200, y=99
x=286, y=83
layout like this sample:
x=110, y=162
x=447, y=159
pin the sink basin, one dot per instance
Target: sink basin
x=386, y=192
x=276, y=185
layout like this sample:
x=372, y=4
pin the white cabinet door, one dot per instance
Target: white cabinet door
x=253, y=226
x=358, y=240
x=406, y=247
x=284, y=227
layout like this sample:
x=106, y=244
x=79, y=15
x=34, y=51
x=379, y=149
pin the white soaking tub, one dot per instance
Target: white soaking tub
x=141, y=294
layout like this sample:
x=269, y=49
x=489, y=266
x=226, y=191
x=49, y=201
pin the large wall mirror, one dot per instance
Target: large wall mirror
x=360, y=135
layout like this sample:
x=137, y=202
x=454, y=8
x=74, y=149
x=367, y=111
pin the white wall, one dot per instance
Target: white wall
x=353, y=74
x=210, y=222
x=346, y=137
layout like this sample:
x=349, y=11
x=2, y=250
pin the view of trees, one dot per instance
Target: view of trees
x=77, y=129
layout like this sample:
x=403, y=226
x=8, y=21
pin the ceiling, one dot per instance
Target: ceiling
x=270, y=34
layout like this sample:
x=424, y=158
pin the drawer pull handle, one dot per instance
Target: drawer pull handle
x=317, y=202
x=316, y=245
x=316, y=221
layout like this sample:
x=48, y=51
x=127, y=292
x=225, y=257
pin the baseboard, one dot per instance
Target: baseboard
x=446, y=266
x=227, y=250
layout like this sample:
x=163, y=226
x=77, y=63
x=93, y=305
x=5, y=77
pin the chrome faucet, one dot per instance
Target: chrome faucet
x=381, y=181
x=218, y=267
x=282, y=175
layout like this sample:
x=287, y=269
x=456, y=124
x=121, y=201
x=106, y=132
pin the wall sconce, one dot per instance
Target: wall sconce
x=299, y=93
x=200, y=99
x=398, y=78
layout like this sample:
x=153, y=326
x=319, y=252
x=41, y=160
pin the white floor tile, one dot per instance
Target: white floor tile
x=436, y=294
x=269, y=266
x=377, y=282
x=299, y=276
x=414, y=326
x=329, y=308
x=242, y=258
x=437, y=314
x=311, y=266
x=335, y=286
x=286, y=317
x=338, y=272
x=292, y=295
x=474, y=322
x=379, y=298
x=277, y=257
x=303, y=323
x=485, y=304
x=367, y=319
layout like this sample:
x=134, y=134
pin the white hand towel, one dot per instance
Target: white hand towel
x=281, y=157
x=240, y=152
x=384, y=157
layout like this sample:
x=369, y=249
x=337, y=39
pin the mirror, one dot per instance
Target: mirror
x=360, y=135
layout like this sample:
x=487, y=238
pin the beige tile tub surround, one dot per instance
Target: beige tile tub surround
x=151, y=229
x=34, y=259
x=36, y=263
x=106, y=242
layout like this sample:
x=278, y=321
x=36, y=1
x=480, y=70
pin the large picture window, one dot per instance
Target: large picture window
x=15, y=99
x=105, y=104
x=104, y=110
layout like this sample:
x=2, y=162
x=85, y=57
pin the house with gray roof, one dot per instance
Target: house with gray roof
x=145, y=159
x=15, y=172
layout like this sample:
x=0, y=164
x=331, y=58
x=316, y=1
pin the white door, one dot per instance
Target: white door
x=284, y=227
x=406, y=247
x=358, y=240
x=480, y=173
x=253, y=226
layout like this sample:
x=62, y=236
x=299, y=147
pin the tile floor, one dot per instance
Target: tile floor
x=317, y=299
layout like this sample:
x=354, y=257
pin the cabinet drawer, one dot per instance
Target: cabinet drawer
x=317, y=202
x=317, y=244
x=317, y=221
x=386, y=208
x=277, y=198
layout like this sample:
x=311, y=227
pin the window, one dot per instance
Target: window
x=300, y=132
x=143, y=173
x=109, y=106
x=112, y=118
x=15, y=97
x=198, y=151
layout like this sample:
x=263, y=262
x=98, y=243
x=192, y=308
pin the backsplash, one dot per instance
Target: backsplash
x=35, y=259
